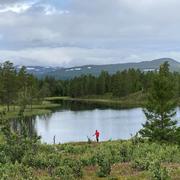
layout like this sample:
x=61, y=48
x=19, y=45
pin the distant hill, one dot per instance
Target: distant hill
x=68, y=73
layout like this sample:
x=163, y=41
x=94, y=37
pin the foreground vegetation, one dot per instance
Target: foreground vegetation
x=108, y=160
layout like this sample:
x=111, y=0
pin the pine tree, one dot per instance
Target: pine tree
x=9, y=84
x=160, y=107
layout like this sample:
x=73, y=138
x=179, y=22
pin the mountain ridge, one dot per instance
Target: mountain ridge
x=68, y=73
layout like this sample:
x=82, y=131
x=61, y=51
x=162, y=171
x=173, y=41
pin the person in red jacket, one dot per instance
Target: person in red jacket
x=97, y=135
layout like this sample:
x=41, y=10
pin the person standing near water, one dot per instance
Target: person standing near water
x=97, y=133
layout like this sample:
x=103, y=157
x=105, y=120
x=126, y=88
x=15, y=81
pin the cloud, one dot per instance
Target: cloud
x=92, y=32
x=73, y=56
x=16, y=8
x=10, y=1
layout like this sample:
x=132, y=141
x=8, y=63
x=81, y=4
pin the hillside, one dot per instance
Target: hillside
x=68, y=73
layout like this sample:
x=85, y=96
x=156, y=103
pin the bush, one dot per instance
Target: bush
x=3, y=158
x=143, y=163
x=69, y=169
x=74, y=165
x=88, y=160
x=53, y=160
x=104, y=168
x=37, y=161
x=74, y=149
x=104, y=163
x=64, y=172
x=125, y=152
x=15, y=171
x=157, y=172
x=170, y=153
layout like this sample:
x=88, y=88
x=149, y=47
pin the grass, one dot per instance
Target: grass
x=133, y=100
x=120, y=169
x=1, y=138
x=128, y=160
x=38, y=109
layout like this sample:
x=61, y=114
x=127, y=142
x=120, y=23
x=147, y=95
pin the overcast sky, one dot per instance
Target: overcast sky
x=77, y=32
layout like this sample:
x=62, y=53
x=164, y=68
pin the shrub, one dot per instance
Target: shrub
x=88, y=160
x=3, y=158
x=64, y=172
x=74, y=149
x=157, y=172
x=104, y=163
x=74, y=165
x=143, y=163
x=38, y=161
x=114, y=153
x=104, y=168
x=15, y=171
x=124, y=153
x=53, y=160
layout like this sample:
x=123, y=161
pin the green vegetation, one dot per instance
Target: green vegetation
x=153, y=155
x=24, y=157
x=127, y=88
x=160, y=108
x=133, y=100
x=20, y=90
x=111, y=160
x=40, y=109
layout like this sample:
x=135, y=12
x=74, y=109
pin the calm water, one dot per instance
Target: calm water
x=70, y=124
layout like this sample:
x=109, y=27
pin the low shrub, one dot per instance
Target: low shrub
x=157, y=171
x=104, y=163
x=143, y=163
x=3, y=158
x=15, y=171
x=88, y=160
x=69, y=169
x=104, y=168
x=125, y=152
x=63, y=172
x=39, y=161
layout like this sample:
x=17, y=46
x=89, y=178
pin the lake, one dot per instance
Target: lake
x=74, y=123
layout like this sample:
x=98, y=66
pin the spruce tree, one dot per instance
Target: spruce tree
x=9, y=84
x=160, y=107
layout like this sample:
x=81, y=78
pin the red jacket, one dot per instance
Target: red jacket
x=97, y=134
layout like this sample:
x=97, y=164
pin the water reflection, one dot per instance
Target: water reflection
x=70, y=125
x=75, y=121
x=27, y=123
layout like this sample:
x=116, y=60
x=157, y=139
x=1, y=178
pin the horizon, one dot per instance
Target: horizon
x=68, y=33
x=96, y=64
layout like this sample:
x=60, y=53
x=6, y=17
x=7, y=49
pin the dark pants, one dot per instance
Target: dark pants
x=97, y=139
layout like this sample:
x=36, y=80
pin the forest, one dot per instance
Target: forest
x=16, y=87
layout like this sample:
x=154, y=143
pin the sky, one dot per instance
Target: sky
x=69, y=33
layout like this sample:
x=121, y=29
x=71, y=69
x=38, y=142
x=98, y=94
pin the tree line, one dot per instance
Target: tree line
x=119, y=84
x=19, y=87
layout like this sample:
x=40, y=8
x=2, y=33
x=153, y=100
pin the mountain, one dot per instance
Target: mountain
x=40, y=70
x=68, y=73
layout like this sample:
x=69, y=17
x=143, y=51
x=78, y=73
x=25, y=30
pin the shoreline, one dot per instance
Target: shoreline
x=114, y=103
x=37, y=109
